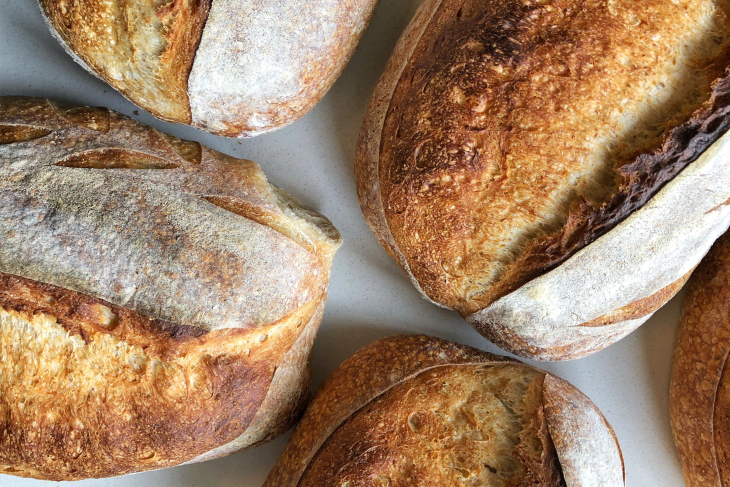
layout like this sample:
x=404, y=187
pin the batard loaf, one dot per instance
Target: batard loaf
x=699, y=401
x=551, y=170
x=158, y=299
x=416, y=410
x=236, y=68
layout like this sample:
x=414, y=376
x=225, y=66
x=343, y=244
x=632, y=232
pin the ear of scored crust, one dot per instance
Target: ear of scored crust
x=587, y=447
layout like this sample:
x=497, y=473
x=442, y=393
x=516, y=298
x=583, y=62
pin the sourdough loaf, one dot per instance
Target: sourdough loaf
x=699, y=401
x=519, y=158
x=158, y=299
x=231, y=67
x=416, y=410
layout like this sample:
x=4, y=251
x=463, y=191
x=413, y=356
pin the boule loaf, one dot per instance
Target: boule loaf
x=417, y=410
x=699, y=399
x=158, y=299
x=553, y=171
x=234, y=68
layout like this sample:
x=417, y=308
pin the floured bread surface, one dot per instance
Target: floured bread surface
x=143, y=48
x=511, y=115
x=158, y=299
x=236, y=68
x=263, y=64
x=163, y=226
x=480, y=425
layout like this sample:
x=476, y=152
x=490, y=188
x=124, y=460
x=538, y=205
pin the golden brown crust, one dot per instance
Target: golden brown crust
x=367, y=374
x=391, y=373
x=627, y=318
x=166, y=309
x=82, y=315
x=450, y=425
x=143, y=48
x=476, y=102
x=70, y=416
x=699, y=396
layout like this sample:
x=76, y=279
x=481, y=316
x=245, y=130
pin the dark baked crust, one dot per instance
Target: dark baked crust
x=699, y=397
x=482, y=79
x=79, y=314
x=371, y=373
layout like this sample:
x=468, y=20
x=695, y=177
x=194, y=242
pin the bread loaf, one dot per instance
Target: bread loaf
x=416, y=410
x=158, y=299
x=553, y=171
x=699, y=401
x=236, y=68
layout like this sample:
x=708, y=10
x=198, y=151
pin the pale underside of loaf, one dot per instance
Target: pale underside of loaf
x=279, y=59
x=416, y=410
x=166, y=309
x=505, y=117
x=699, y=401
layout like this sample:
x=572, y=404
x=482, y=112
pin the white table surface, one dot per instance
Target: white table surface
x=370, y=297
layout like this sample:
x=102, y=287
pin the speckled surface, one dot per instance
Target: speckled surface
x=370, y=297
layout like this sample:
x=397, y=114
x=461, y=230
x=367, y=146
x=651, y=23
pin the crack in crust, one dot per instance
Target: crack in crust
x=143, y=48
x=390, y=375
x=518, y=134
x=699, y=397
x=141, y=326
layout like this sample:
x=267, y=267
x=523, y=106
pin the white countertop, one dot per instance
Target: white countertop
x=370, y=297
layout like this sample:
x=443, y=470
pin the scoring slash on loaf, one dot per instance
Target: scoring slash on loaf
x=551, y=170
x=158, y=299
x=236, y=68
x=699, y=401
x=417, y=410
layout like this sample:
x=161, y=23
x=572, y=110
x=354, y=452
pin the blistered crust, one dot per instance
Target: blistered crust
x=493, y=90
x=461, y=72
x=147, y=301
x=699, y=400
x=369, y=375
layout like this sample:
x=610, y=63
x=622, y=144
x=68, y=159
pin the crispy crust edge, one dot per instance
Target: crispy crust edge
x=388, y=362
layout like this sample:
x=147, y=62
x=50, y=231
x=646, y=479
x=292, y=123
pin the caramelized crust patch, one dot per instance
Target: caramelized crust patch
x=453, y=425
x=90, y=389
x=519, y=132
x=143, y=48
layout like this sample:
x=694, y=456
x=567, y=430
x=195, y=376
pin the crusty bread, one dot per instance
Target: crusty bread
x=158, y=299
x=416, y=410
x=231, y=67
x=699, y=401
x=505, y=138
